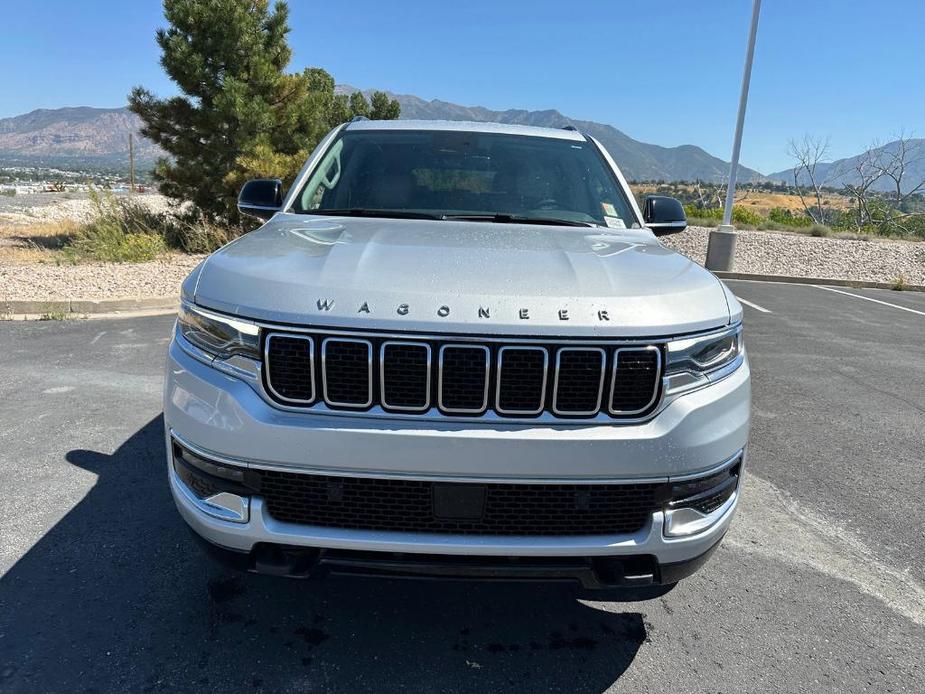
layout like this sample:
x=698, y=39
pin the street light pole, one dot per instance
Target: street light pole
x=721, y=248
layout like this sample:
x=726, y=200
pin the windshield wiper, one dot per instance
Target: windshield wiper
x=363, y=212
x=517, y=219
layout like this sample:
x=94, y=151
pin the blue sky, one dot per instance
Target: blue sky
x=663, y=72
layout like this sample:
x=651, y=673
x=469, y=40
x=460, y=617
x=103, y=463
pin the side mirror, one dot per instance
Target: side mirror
x=664, y=215
x=261, y=198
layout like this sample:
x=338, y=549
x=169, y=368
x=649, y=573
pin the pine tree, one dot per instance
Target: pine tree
x=239, y=115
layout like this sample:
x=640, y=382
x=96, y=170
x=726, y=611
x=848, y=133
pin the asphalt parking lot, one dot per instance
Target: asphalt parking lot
x=819, y=586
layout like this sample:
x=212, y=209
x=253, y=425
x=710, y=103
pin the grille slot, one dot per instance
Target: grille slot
x=347, y=371
x=635, y=383
x=290, y=372
x=579, y=381
x=521, y=380
x=404, y=369
x=463, y=383
x=408, y=505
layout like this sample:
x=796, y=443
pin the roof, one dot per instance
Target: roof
x=465, y=126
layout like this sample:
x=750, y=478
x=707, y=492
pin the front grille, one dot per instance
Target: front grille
x=462, y=508
x=635, y=369
x=579, y=380
x=521, y=379
x=455, y=378
x=289, y=373
x=347, y=372
x=464, y=378
x=405, y=372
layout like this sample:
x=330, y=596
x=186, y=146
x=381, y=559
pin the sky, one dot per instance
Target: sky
x=666, y=72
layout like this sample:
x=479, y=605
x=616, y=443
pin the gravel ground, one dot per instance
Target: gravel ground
x=781, y=253
x=43, y=282
x=48, y=281
x=36, y=208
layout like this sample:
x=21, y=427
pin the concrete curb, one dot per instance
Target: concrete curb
x=74, y=308
x=856, y=284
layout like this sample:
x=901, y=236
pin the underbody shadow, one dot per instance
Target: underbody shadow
x=116, y=596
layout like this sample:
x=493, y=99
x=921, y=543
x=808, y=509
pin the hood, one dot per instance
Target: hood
x=455, y=276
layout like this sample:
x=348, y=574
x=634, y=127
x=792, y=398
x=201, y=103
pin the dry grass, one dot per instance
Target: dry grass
x=34, y=243
x=763, y=202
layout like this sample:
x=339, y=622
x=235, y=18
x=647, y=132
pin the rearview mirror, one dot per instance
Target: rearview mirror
x=664, y=215
x=261, y=198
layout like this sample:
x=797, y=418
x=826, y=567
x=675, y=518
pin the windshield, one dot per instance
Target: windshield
x=465, y=175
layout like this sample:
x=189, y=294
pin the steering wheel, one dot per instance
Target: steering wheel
x=549, y=204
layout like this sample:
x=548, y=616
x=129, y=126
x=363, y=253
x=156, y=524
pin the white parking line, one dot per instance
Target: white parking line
x=754, y=306
x=867, y=298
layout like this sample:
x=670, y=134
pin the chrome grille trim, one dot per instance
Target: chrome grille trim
x=462, y=410
x=600, y=388
x=613, y=379
x=482, y=391
x=403, y=343
x=311, y=361
x=523, y=348
x=369, y=368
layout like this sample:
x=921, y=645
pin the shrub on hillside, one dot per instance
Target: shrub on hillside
x=785, y=217
x=820, y=230
x=124, y=230
x=740, y=215
x=119, y=231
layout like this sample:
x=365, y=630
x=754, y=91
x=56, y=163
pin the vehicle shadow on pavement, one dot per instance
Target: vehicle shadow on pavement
x=118, y=596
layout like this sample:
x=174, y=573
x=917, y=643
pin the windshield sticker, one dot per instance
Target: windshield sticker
x=609, y=210
x=614, y=222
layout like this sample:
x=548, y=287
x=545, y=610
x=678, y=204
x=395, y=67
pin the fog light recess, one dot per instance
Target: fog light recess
x=215, y=488
x=696, y=505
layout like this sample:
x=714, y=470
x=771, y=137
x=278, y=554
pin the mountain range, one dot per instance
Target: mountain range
x=76, y=138
x=86, y=138
x=639, y=161
x=89, y=138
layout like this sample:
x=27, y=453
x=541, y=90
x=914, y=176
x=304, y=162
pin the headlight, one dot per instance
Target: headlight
x=696, y=361
x=219, y=336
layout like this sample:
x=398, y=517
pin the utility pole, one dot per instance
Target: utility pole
x=721, y=248
x=131, y=161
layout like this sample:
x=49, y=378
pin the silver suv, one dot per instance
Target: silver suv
x=458, y=350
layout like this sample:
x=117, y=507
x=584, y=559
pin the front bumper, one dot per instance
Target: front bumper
x=225, y=419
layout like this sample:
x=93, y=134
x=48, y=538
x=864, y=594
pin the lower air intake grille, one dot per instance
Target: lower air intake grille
x=461, y=508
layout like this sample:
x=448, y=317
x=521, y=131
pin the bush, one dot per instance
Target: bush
x=195, y=234
x=740, y=215
x=107, y=243
x=120, y=231
x=820, y=230
x=785, y=217
x=124, y=230
x=703, y=221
